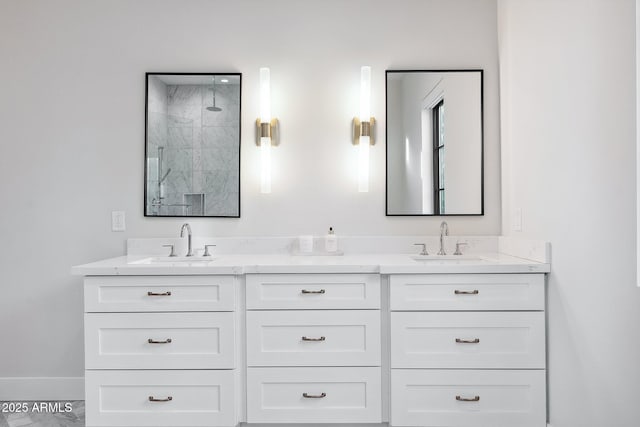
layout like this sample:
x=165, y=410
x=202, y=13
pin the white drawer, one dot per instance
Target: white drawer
x=121, y=341
x=313, y=291
x=158, y=293
x=467, y=292
x=313, y=338
x=333, y=395
x=429, y=398
x=123, y=398
x=514, y=340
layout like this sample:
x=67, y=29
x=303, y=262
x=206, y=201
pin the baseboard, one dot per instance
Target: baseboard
x=41, y=388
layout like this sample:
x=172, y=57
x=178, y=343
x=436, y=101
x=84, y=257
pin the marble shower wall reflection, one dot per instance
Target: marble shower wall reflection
x=193, y=150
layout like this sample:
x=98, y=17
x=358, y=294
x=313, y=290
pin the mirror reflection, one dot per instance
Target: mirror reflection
x=192, y=145
x=434, y=142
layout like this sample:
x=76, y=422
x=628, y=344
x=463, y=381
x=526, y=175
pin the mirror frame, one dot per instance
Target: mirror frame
x=146, y=130
x=386, y=144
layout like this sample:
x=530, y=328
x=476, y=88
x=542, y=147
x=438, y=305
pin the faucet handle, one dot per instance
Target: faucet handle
x=173, y=251
x=206, y=250
x=458, y=245
x=424, y=248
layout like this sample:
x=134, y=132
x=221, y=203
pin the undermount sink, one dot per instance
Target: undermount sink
x=173, y=260
x=447, y=259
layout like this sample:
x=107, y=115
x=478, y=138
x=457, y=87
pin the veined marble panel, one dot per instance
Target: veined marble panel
x=185, y=115
x=180, y=95
x=221, y=204
x=180, y=137
x=178, y=159
x=179, y=183
x=222, y=158
x=75, y=418
x=219, y=136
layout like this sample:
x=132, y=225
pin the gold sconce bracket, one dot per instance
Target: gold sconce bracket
x=271, y=129
x=359, y=128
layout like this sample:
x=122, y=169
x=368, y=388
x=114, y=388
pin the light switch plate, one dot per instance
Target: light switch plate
x=118, y=221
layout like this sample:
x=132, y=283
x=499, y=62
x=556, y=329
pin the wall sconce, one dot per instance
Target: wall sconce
x=363, y=130
x=266, y=131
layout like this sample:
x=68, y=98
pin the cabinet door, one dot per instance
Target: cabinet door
x=160, y=398
x=313, y=291
x=314, y=395
x=468, y=398
x=467, y=292
x=313, y=338
x=508, y=340
x=158, y=293
x=159, y=340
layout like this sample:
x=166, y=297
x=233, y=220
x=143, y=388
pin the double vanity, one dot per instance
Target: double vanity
x=373, y=338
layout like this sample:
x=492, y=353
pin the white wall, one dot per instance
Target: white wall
x=72, y=130
x=568, y=133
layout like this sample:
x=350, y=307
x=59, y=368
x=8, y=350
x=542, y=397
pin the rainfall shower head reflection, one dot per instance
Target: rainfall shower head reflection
x=214, y=108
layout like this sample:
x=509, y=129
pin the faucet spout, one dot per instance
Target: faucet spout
x=187, y=227
x=444, y=231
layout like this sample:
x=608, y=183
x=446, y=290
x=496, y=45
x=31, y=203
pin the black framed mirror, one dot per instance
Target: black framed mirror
x=192, y=145
x=434, y=142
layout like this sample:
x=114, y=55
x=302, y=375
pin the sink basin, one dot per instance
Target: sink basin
x=174, y=260
x=447, y=259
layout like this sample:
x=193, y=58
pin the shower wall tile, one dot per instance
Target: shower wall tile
x=180, y=137
x=223, y=158
x=222, y=136
x=185, y=115
x=179, y=160
x=185, y=94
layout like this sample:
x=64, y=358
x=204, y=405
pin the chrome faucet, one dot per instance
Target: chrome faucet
x=188, y=228
x=444, y=231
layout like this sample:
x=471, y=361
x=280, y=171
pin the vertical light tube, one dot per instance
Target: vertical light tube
x=365, y=117
x=265, y=141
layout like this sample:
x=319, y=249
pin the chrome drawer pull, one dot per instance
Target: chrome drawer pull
x=167, y=399
x=167, y=341
x=313, y=339
x=306, y=291
x=461, y=341
x=314, y=396
x=473, y=292
x=159, y=294
x=462, y=399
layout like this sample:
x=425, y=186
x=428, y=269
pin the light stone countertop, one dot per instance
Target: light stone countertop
x=350, y=263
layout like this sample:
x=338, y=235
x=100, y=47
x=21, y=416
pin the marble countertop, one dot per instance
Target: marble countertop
x=348, y=263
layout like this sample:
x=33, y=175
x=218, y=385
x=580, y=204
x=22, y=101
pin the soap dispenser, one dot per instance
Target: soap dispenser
x=331, y=241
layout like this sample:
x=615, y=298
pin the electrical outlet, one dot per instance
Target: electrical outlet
x=517, y=219
x=118, y=221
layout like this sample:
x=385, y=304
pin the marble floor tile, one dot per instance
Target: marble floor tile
x=75, y=418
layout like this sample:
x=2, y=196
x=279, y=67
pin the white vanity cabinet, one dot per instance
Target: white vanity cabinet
x=468, y=350
x=313, y=348
x=305, y=343
x=160, y=351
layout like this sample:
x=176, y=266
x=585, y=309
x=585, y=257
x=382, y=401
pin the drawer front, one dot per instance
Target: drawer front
x=124, y=398
x=178, y=341
x=467, y=292
x=514, y=340
x=313, y=291
x=430, y=398
x=313, y=338
x=158, y=293
x=314, y=395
